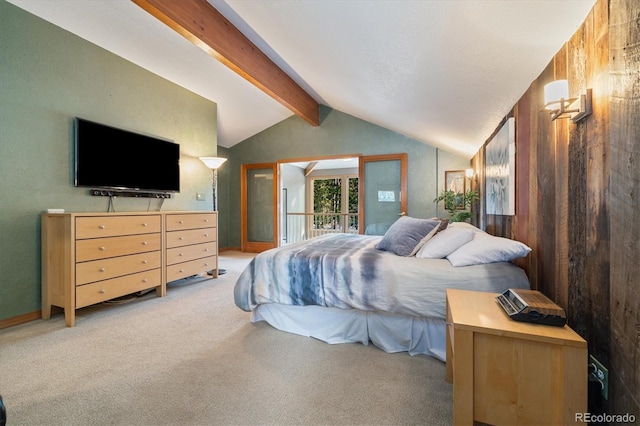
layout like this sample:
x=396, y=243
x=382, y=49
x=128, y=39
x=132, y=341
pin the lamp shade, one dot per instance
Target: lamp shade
x=213, y=162
x=554, y=92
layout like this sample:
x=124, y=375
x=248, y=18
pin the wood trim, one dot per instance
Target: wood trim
x=255, y=247
x=402, y=157
x=318, y=158
x=221, y=250
x=20, y=319
x=199, y=22
x=309, y=168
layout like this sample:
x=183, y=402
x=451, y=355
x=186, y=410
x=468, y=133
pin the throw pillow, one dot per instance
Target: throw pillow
x=486, y=248
x=445, y=242
x=407, y=235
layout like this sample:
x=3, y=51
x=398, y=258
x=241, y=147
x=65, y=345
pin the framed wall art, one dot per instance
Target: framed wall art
x=500, y=164
x=455, y=180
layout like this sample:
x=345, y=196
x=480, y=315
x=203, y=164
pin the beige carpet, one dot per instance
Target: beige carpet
x=193, y=358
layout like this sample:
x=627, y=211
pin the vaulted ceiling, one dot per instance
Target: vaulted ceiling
x=444, y=72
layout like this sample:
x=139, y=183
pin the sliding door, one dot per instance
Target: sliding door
x=382, y=192
x=259, y=206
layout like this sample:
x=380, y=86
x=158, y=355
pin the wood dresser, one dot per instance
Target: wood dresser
x=509, y=372
x=191, y=242
x=88, y=258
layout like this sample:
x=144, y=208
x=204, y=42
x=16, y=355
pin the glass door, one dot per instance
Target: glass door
x=259, y=206
x=383, y=191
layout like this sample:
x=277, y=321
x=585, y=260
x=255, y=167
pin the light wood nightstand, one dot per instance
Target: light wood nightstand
x=509, y=372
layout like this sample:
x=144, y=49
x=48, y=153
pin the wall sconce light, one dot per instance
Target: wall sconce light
x=471, y=176
x=560, y=105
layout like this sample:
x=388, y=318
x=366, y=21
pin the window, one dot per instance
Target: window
x=334, y=200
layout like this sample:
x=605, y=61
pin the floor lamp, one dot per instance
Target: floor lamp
x=214, y=164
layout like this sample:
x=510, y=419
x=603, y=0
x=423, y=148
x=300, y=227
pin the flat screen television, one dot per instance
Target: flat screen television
x=110, y=158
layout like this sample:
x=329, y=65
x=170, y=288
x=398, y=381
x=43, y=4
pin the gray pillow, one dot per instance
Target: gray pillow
x=407, y=235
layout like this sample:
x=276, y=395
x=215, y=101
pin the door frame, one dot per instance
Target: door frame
x=254, y=246
x=311, y=160
x=402, y=157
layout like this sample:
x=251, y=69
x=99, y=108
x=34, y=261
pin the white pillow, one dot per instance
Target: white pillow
x=485, y=248
x=445, y=242
x=465, y=225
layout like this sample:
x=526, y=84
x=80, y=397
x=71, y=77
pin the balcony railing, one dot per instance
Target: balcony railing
x=302, y=226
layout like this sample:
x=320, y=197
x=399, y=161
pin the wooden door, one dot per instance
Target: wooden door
x=382, y=191
x=259, y=206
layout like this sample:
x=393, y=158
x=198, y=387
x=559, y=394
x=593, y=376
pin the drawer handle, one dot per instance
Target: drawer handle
x=206, y=264
x=145, y=262
x=181, y=254
x=145, y=224
x=144, y=243
x=145, y=280
x=103, y=248
x=206, y=220
x=102, y=227
x=103, y=291
x=206, y=235
x=181, y=270
x=102, y=269
x=182, y=221
x=206, y=249
x=181, y=238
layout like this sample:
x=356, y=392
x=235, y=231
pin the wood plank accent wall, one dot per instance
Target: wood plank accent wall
x=624, y=65
x=578, y=193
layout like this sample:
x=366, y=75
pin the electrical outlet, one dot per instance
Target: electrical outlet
x=602, y=374
x=200, y=196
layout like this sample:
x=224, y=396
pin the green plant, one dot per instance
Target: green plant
x=457, y=203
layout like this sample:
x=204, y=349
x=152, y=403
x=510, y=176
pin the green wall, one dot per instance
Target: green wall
x=338, y=134
x=224, y=210
x=47, y=77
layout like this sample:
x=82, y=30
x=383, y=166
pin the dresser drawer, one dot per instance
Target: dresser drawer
x=193, y=236
x=91, y=257
x=101, y=248
x=186, y=269
x=90, y=294
x=103, y=269
x=105, y=226
x=186, y=253
x=178, y=222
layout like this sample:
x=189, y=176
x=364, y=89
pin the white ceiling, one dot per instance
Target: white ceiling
x=444, y=72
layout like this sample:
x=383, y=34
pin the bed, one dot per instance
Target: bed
x=343, y=288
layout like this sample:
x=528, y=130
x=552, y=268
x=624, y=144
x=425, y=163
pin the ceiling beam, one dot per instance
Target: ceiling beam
x=312, y=165
x=208, y=29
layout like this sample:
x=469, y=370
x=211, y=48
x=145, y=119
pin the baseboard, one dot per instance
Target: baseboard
x=24, y=318
x=20, y=319
x=229, y=249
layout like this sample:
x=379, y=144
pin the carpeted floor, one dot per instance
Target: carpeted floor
x=193, y=358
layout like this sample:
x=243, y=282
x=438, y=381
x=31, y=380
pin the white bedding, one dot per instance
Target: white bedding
x=339, y=288
x=346, y=271
x=390, y=332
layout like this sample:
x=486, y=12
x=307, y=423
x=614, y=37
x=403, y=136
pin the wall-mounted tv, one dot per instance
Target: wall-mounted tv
x=111, y=158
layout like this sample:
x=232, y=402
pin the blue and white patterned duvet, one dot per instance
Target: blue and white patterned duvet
x=347, y=271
